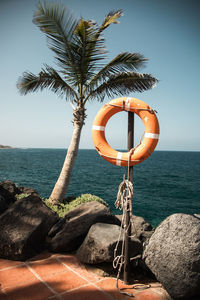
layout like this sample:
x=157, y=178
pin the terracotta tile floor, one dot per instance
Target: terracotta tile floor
x=57, y=276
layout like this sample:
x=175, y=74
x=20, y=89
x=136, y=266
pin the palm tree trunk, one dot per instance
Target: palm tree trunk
x=63, y=181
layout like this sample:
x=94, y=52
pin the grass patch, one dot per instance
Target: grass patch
x=72, y=202
x=21, y=196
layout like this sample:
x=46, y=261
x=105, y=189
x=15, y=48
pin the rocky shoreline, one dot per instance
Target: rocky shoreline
x=5, y=147
x=170, y=253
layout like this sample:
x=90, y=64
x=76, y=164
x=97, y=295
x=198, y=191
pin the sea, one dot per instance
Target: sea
x=167, y=182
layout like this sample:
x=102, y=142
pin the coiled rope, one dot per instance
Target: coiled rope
x=124, y=203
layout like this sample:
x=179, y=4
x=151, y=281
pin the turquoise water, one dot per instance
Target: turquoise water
x=166, y=183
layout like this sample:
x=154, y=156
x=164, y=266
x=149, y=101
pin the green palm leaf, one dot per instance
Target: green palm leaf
x=123, y=62
x=58, y=25
x=48, y=78
x=88, y=51
x=90, y=47
x=122, y=84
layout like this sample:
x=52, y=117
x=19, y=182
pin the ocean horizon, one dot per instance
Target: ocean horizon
x=167, y=182
x=63, y=148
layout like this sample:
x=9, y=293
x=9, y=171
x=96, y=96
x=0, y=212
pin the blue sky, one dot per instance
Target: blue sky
x=167, y=32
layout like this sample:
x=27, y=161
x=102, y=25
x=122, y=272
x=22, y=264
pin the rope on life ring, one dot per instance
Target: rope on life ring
x=146, y=146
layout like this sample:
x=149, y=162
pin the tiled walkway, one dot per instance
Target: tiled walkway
x=56, y=276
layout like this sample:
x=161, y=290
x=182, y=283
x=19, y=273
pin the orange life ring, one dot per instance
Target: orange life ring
x=140, y=152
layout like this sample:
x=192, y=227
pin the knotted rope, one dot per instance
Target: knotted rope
x=124, y=203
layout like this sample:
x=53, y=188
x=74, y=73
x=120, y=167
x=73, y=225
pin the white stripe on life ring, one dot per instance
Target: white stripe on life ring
x=127, y=103
x=96, y=127
x=151, y=135
x=118, y=159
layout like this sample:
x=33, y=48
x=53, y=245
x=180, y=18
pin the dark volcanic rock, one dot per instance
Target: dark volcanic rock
x=100, y=243
x=24, y=226
x=28, y=191
x=3, y=203
x=9, y=191
x=13, y=190
x=10, y=187
x=7, y=194
x=140, y=228
x=173, y=255
x=68, y=234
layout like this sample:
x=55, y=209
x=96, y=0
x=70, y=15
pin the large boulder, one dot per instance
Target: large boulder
x=27, y=191
x=68, y=234
x=10, y=187
x=100, y=243
x=140, y=228
x=24, y=226
x=12, y=190
x=8, y=191
x=3, y=203
x=173, y=255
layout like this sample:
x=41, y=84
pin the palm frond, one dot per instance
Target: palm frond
x=88, y=51
x=122, y=84
x=90, y=47
x=111, y=18
x=98, y=41
x=58, y=25
x=49, y=79
x=123, y=62
x=56, y=22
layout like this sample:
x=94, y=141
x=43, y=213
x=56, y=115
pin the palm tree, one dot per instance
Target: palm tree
x=79, y=49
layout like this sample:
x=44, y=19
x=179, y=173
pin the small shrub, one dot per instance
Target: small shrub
x=21, y=196
x=51, y=206
x=62, y=208
x=85, y=198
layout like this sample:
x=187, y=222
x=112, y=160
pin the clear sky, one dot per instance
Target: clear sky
x=167, y=32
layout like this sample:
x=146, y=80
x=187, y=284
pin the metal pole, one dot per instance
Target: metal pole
x=127, y=216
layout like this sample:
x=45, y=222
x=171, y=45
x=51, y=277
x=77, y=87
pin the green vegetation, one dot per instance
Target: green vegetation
x=21, y=196
x=72, y=202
